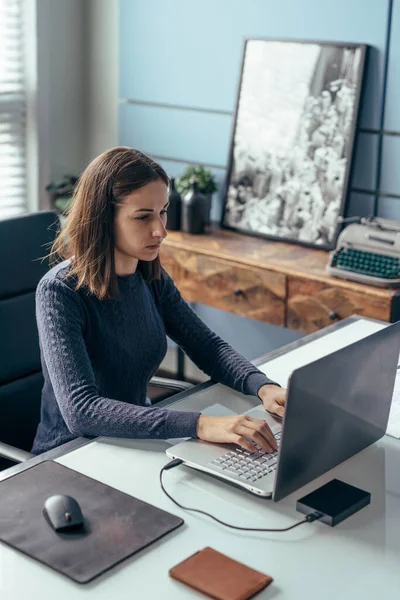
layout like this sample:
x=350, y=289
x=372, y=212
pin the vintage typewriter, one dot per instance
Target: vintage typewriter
x=368, y=252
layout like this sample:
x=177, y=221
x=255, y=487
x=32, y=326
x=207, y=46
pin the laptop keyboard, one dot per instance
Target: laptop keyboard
x=249, y=466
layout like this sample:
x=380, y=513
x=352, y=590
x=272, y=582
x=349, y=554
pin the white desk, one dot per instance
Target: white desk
x=359, y=559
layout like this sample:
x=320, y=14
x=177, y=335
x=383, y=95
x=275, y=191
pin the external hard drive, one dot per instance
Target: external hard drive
x=334, y=502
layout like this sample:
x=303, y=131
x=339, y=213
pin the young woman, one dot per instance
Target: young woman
x=104, y=313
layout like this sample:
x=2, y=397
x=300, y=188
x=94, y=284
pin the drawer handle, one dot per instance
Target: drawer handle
x=238, y=292
x=333, y=315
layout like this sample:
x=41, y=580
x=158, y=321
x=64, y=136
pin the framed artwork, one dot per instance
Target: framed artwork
x=293, y=139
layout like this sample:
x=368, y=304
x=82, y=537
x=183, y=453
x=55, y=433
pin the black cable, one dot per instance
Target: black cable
x=176, y=462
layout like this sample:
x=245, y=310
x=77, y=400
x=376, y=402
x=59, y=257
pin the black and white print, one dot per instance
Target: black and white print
x=293, y=139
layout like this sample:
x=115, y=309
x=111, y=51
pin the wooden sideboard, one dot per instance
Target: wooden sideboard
x=280, y=283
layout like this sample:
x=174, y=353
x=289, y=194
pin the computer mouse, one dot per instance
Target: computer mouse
x=63, y=513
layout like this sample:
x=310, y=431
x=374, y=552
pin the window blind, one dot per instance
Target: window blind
x=12, y=109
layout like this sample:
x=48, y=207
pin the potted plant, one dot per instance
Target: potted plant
x=205, y=182
x=61, y=192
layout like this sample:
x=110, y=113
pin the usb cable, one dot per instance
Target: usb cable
x=176, y=462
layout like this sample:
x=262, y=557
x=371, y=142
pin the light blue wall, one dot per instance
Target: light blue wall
x=179, y=68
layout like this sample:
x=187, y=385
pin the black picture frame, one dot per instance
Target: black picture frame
x=298, y=196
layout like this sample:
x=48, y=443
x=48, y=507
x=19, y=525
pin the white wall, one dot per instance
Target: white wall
x=102, y=90
x=77, y=85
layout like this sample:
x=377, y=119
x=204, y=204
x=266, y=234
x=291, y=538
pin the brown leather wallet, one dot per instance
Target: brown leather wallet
x=219, y=576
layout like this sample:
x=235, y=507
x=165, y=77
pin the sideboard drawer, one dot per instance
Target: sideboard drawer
x=247, y=291
x=312, y=305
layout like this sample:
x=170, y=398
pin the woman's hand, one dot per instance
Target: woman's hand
x=273, y=397
x=240, y=429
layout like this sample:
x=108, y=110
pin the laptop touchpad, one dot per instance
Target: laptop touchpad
x=275, y=423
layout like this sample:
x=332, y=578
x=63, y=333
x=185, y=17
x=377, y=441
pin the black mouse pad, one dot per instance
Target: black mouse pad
x=116, y=525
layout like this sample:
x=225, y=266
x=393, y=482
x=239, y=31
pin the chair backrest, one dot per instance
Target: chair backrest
x=24, y=241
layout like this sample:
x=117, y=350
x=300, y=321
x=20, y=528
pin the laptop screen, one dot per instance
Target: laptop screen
x=336, y=406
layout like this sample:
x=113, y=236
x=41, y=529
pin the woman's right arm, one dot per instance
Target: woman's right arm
x=242, y=430
x=61, y=324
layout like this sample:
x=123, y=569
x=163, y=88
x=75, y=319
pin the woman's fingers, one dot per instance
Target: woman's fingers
x=273, y=398
x=265, y=445
x=242, y=429
x=277, y=409
x=240, y=440
x=253, y=438
x=261, y=428
x=258, y=432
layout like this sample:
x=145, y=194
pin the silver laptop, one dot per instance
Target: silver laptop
x=336, y=406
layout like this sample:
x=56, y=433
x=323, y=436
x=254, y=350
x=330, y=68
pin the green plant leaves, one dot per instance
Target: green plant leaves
x=205, y=180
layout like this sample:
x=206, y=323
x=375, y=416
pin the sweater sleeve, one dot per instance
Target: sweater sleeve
x=208, y=351
x=61, y=325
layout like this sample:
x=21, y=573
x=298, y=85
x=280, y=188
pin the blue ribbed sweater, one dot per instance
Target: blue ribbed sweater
x=99, y=355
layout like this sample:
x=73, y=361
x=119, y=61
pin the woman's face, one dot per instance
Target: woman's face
x=139, y=226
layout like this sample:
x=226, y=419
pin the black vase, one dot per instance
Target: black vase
x=194, y=210
x=174, y=209
x=208, y=208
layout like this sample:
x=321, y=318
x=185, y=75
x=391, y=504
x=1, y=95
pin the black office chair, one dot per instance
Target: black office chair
x=23, y=242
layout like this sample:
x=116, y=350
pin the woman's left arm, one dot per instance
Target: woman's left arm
x=208, y=351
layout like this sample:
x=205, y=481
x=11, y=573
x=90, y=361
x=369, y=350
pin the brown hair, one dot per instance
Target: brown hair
x=88, y=235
